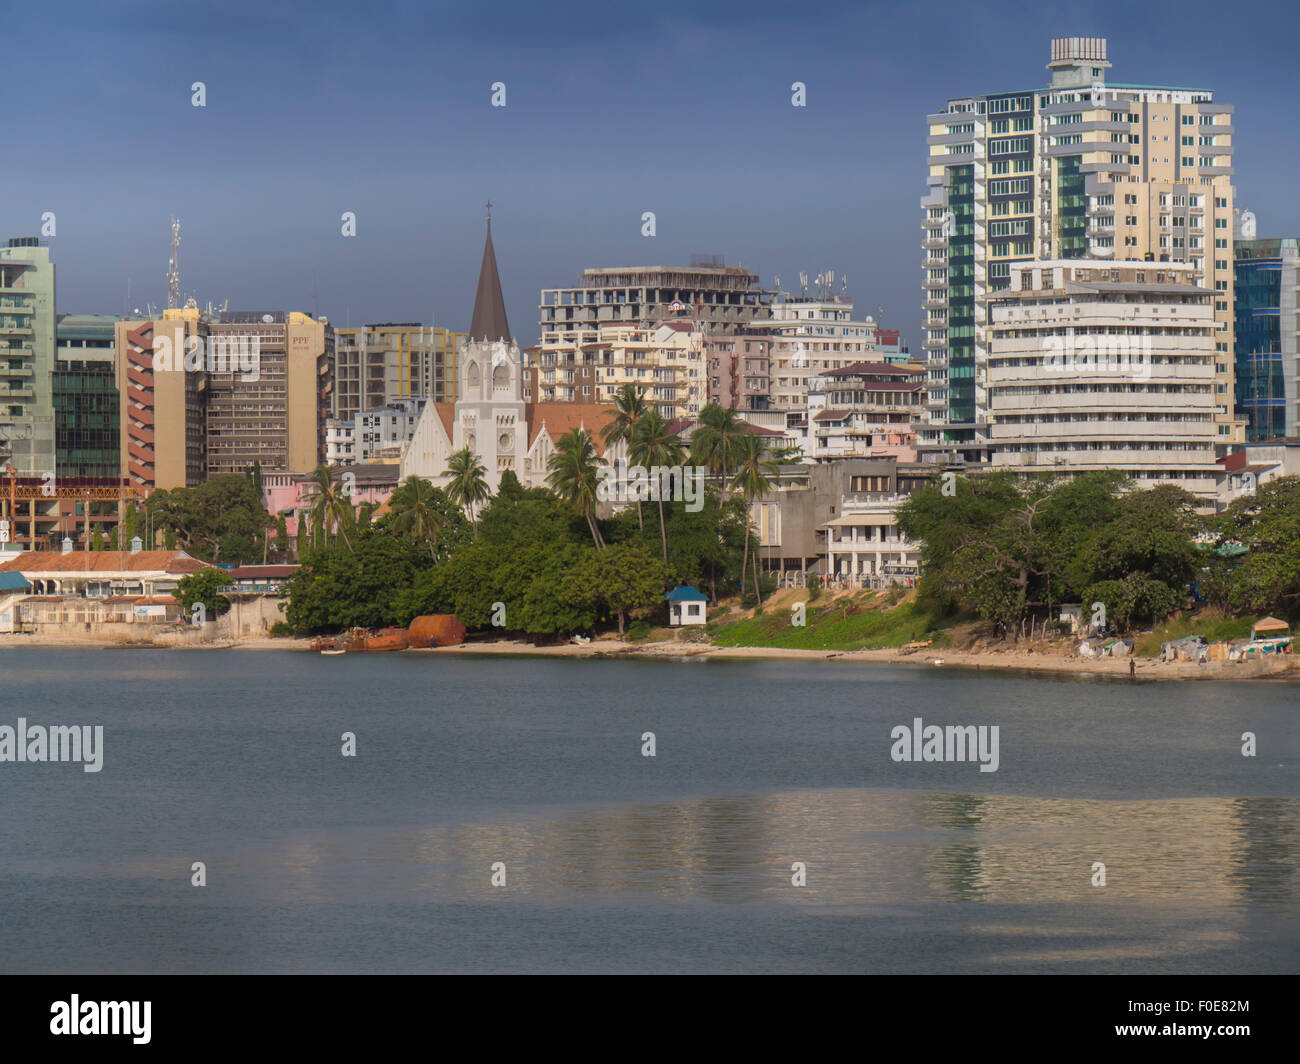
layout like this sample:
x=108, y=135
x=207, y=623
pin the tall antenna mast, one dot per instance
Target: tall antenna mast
x=174, y=267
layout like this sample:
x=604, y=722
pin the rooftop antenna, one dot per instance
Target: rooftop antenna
x=803, y=283
x=174, y=268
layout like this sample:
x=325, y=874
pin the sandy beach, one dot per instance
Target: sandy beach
x=1283, y=667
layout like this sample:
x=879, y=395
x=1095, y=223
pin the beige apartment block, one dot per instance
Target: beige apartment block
x=809, y=337
x=1106, y=365
x=666, y=362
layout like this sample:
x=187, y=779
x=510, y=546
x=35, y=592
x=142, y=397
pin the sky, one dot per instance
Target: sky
x=681, y=107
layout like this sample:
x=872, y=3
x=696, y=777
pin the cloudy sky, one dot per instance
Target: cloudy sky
x=681, y=107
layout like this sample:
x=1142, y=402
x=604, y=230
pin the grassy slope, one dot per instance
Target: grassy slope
x=842, y=625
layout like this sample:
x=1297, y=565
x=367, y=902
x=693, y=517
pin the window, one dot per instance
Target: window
x=1188, y=161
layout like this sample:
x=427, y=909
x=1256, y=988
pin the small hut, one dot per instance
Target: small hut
x=686, y=606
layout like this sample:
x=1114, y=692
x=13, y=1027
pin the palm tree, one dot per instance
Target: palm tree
x=574, y=473
x=331, y=506
x=751, y=478
x=717, y=440
x=415, y=514
x=631, y=408
x=654, y=444
x=468, y=486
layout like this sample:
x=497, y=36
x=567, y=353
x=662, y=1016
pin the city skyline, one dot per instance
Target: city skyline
x=409, y=141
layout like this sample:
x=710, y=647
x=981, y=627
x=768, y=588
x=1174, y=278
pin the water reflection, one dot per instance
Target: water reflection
x=862, y=849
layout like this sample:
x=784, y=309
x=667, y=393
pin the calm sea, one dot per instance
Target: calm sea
x=614, y=861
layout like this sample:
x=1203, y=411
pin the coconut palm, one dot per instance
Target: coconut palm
x=717, y=440
x=630, y=407
x=574, y=476
x=468, y=486
x=655, y=444
x=331, y=506
x=415, y=514
x=752, y=472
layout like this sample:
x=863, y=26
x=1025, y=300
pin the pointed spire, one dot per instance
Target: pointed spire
x=489, y=320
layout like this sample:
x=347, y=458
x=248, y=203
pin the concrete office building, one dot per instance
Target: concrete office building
x=376, y=365
x=1106, y=365
x=276, y=413
x=162, y=431
x=721, y=298
x=1077, y=168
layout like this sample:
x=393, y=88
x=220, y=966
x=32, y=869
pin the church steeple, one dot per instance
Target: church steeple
x=489, y=320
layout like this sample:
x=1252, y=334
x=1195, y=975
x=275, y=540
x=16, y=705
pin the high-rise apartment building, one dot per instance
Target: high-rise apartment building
x=27, y=355
x=1078, y=168
x=1267, y=357
x=1106, y=365
x=721, y=298
x=377, y=365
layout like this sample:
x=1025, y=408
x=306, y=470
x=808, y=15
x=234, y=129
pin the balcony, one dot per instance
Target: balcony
x=936, y=345
x=932, y=283
x=930, y=243
x=934, y=304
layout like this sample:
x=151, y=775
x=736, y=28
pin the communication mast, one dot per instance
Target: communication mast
x=174, y=268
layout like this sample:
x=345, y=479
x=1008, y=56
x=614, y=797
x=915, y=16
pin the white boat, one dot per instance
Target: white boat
x=333, y=652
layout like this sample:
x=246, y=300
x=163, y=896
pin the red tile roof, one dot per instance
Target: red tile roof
x=559, y=418
x=98, y=561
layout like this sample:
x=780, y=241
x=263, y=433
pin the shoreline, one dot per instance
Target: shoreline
x=1272, y=667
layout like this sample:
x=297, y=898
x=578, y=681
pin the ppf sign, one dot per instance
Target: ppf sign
x=220, y=354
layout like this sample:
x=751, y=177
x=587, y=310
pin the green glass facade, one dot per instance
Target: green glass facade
x=86, y=403
x=961, y=304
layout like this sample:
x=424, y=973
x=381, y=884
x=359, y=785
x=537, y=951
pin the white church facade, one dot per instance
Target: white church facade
x=490, y=415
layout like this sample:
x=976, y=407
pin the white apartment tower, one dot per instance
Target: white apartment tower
x=1078, y=169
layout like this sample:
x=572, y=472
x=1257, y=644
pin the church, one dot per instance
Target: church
x=490, y=415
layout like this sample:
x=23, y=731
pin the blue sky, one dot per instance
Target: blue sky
x=679, y=107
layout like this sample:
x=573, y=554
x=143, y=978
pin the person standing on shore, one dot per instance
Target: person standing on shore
x=1132, y=669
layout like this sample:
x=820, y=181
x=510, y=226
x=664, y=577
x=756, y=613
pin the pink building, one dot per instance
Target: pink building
x=291, y=494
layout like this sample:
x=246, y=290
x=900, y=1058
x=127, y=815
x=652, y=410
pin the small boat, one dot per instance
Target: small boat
x=333, y=652
x=937, y=661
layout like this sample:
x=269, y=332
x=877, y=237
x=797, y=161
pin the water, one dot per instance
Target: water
x=619, y=862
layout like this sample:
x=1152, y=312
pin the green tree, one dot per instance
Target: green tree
x=629, y=408
x=1267, y=523
x=619, y=580
x=655, y=446
x=574, y=475
x=716, y=441
x=422, y=513
x=753, y=472
x=468, y=485
x=203, y=587
x=331, y=506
